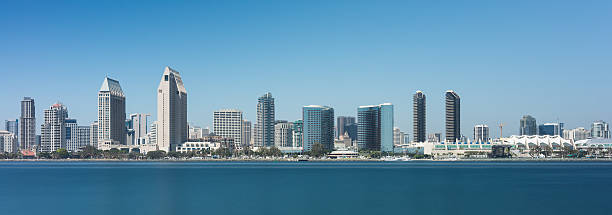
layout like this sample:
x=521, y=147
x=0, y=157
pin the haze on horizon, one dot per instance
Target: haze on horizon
x=548, y=59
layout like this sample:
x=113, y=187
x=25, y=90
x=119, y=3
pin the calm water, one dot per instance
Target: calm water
x=305, y=188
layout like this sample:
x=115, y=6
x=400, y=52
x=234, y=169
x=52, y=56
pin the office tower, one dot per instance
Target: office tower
x=551, y=129
x=129, y=132
x=481, y=133
x=283, y=134
x=111, y=113
x=435, y=137
x=265, y=120
x=83, y=134
x=528, y=126
x=246, y=133
x=8, y=142
x=298, y=131
x=72, y=143
x=13, y=127
x=228, y=123
x=418, y=116
x=27, y=124
x=318, y=127
x=453, y=116
x=342, y=125
x=53, y=131
x=600, y=130
x=576, y=134
x=153, y=133
x=139, y=124
x=397, y=136
x=375, y=127
x=93, y=132
x=406, y=138
x=171, y=111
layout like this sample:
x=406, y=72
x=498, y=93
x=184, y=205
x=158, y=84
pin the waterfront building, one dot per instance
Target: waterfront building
x=246, y=133
x=375, y=127
x=152, y=135
x=318, y=126
x=551, y=129
x=398, y=138
x=453, y=116
x=8, y=142
x=139, y=124
x=228, y=123
x=406, y=138
x=265, y=121
x=527, y=142
x=576, y=134
x=27, y=124
x=342, y=124
x=298, y=131
x=283, y=134
x=195, y=132
x=93, y=134
x=418, y=117
x=83, y=134
x=111, y=113
x=481, y=133
x=13, y=127
x=600, y=130
x=53, y=131
x=171, y=111
x=72, y=143
x=528, y=126
x=435, y=137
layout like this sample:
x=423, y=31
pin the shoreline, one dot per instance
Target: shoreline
x=319, y=160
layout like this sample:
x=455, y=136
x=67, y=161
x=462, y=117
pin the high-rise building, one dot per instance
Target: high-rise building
x=93, y=132
x=111, y=113
x=246, y=133
x=528, y=126
x=397, y=136
x=600, y=130
x=576, y=134
x=53, y=131
x=453, y=116
x=342, y=123
x=171, y=111
x=83, y=134
x=72, y=141
x=375, y=127
x=283, y=134
x=406, y=138
x=13, y=127
x=551, y=129
x=265, y=120
x=152, y=135
x=298, y=131
x=27, y=124
x=8, y=142
x=481, y=133
x=418, y=116
x=435, y=137
x=318, y=127
x=228, y=123
x=139, y=124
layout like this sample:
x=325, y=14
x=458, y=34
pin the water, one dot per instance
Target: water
x=305, y=188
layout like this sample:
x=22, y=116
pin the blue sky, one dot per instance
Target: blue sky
x=549, y=59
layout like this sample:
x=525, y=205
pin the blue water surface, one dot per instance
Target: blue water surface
x=305, y=188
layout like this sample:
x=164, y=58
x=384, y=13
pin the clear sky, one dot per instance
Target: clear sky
x=550, y=59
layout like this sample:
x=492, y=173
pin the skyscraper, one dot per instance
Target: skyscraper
x=298, y=131
x=481, y=133
x=528, y=126
x=453, y=116
x=318, y=126
x=246, y=133
x=93, y=132
x=27, y=124
x=265, y=120
x=375, y=127
x=140, y=123
x=228, y=123
x=13, y=127
x=111, y=113
x=418, y=116
x=341, y=125
x=600, y=130
x=551, y=129
x=172, y=127
x=283, y=134
x=53, y=131
x=8, y=142
x=72, y=141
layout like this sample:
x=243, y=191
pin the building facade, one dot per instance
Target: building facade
x=481, y=133
x=228, y=123
x=318, y=127
x=53, y=130
x=375, y=127
x=246, y=133
x=111, y=113
x=551, y=129
x=8, y=142
x=140, y=125
x=171, y=111
x=342, y=125
x=13, y=127
x=298, y=132
x=453, y=116
x=265, y=121
x=27, y=124
x=283, y=134
x=528, y=126
x=418, y=117
x=600, y=130
x=577, y=134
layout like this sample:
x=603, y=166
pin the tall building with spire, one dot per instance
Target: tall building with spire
x=111, y=114
x=27, y=124
x=265, y=121
x=172, y=128
x=418, y=117
x=453, y=116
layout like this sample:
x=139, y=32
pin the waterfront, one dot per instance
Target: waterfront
x=305, y=187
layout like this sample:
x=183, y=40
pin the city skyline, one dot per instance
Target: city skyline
x=338, y=56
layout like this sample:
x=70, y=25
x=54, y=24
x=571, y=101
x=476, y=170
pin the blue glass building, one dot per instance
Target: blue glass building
x=318, y=127
x=375, y=127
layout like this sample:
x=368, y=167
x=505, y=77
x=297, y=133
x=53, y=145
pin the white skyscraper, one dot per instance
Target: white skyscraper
x=481, y=133
x=72, y=141
x=139, y=125
x=228, y=123
x=111, y=113
x=53, y=131
x=172, y=128
x=283, y=134
x=8, y=142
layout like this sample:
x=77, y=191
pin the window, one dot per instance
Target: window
x=165, y=77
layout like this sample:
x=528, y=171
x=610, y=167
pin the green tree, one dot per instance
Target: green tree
x=60, y=153
x=275, y=152
x=318, y=150
x=134, y=155
x=155, y=155
x=223, y=152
